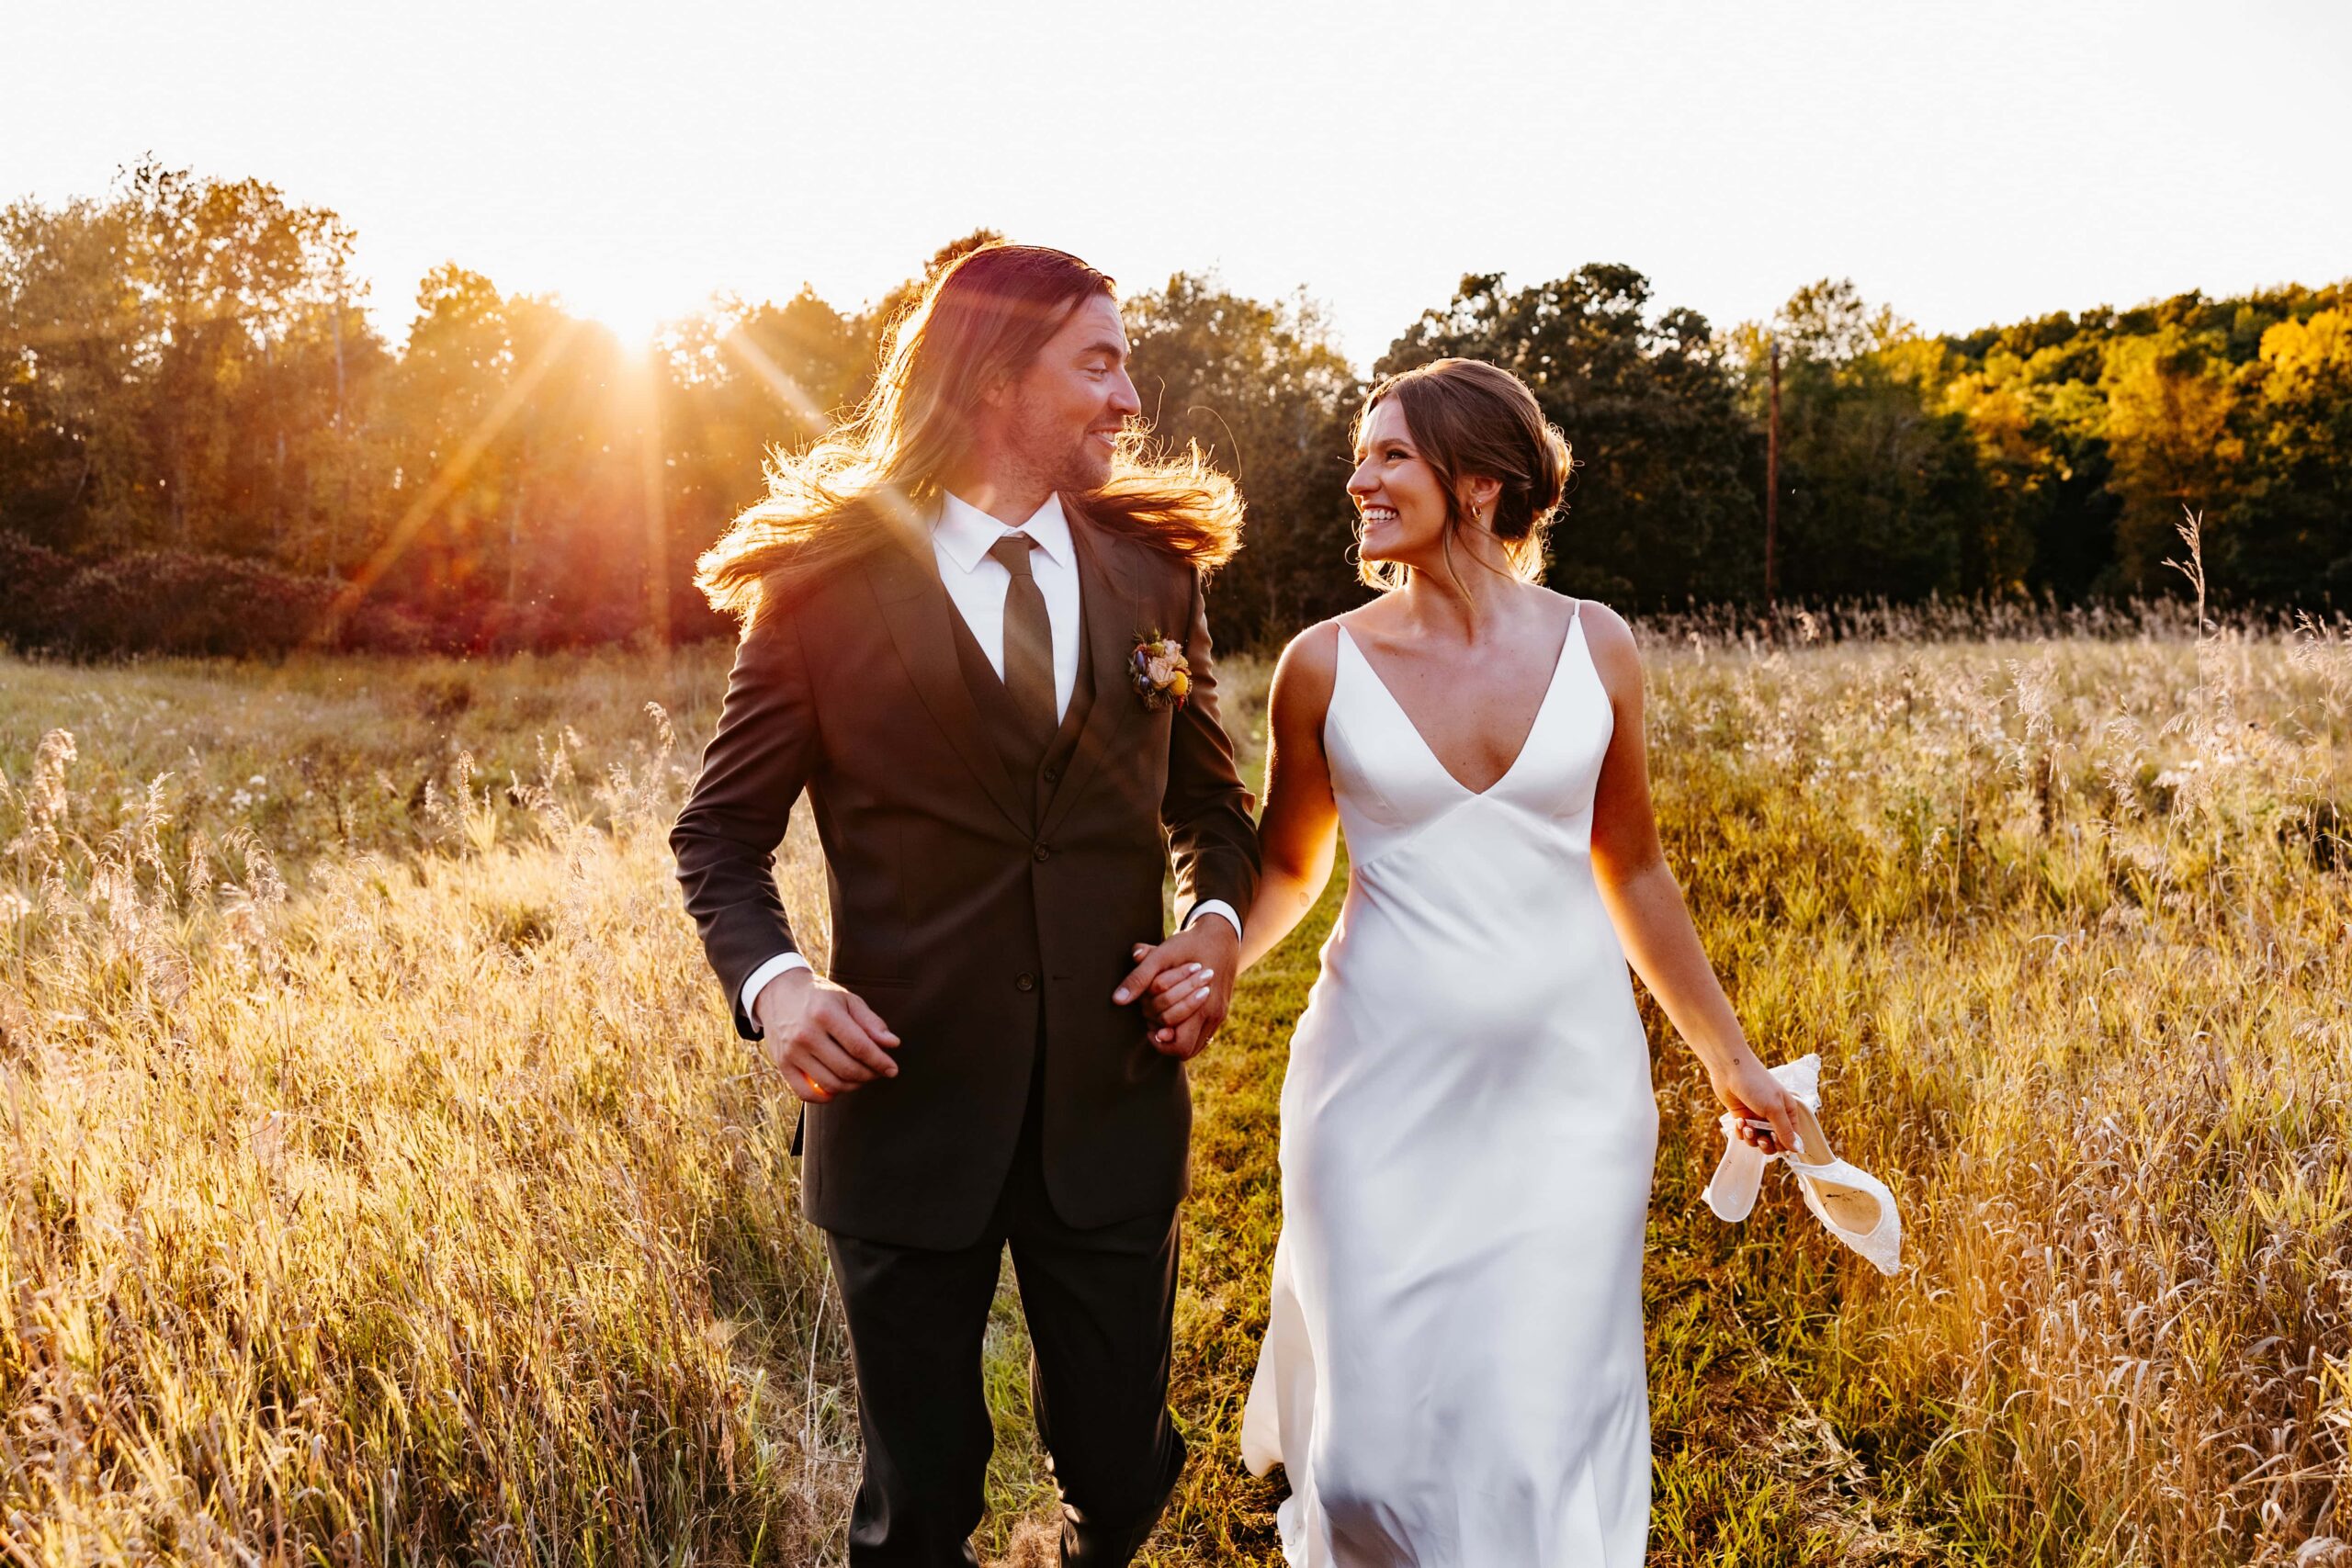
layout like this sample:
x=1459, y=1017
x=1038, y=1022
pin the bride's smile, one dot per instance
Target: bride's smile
x=1401, y=502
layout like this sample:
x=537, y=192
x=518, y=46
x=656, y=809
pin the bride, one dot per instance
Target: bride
x=1453, y=1373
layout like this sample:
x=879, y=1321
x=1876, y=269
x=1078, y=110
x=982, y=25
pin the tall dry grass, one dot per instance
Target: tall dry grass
x=422, y=1216
x=383, y=1182
x=2071, y=925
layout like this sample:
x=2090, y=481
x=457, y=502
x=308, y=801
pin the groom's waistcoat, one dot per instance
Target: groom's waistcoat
x=979, y=912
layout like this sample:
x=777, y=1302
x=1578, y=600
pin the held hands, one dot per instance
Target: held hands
x=1185, y=985
x=824, y=1040
x=1752, y=1094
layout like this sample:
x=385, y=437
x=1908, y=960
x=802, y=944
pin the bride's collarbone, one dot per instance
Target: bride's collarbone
x=1506, y=669
x=1472, y=706
x=1526, y=641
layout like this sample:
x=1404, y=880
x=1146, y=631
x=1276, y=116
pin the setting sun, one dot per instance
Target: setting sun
x=634, y=311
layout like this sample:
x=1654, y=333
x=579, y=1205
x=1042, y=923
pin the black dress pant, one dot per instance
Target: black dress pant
x=1100, y=1306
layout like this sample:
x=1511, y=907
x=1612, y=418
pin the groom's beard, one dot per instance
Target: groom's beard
x=1062, y=462
x=1084, y=473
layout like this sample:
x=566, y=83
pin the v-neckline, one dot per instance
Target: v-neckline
x=1526, y=741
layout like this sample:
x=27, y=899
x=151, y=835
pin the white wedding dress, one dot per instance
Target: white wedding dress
x=1452, y=1375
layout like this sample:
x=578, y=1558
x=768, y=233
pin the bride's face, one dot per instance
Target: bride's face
x=1398, y=494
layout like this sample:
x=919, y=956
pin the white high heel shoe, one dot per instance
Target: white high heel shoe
x=1852, y=1204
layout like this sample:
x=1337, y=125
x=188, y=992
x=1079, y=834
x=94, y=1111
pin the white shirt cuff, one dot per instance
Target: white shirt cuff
x=1215, y=907
x=782, y=964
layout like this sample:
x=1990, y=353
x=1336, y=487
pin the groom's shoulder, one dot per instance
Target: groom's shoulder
x=1149, y=549
x=801, y=611
x=841, y=579
x=1144, y=552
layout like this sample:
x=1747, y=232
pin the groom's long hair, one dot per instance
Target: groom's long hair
x=983, y=318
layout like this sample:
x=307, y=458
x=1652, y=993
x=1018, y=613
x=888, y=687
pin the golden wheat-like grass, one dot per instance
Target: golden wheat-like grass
x=383, y=1182
x=419, y=1216
x=2069, y=928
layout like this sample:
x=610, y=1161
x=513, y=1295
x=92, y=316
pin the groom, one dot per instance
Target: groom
x=943, y=605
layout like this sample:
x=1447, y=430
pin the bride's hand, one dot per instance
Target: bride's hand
x=1747, y=1090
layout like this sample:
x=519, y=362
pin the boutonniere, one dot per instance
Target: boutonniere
x=1163, y=678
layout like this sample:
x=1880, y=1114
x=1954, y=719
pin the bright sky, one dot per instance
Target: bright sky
x=1965, y=163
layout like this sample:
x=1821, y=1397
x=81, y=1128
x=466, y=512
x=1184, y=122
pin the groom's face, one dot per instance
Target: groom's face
x=1068, y=409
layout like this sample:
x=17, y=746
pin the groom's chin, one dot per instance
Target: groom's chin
x=1087, y=470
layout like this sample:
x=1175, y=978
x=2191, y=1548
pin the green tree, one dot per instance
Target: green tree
x=2035, y=413
x=2290, y=536
x=2168, y=428
x=1881, y=492
x=738, y=383
x=1263, y=392
x=233, y=279
x=71, y=377
x=184, y=361
x=1663, y=505
x=522, y=498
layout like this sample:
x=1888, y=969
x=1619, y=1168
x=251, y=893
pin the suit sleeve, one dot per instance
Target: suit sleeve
x=725, y=838
x=1207, y=810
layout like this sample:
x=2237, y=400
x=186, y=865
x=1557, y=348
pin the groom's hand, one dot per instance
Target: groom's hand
x=1185, y=985
x=824, y=1040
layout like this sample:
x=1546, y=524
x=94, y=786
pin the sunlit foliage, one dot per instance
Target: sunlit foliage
x=185, y=366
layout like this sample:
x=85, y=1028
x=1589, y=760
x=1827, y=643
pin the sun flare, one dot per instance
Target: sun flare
x=634, y=314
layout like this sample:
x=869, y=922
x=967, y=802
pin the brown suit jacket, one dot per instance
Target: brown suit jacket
x=984, y=916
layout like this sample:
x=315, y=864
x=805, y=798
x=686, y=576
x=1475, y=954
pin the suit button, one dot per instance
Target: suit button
x=1027, y=982
x=1040, y=852
x=1052, y=775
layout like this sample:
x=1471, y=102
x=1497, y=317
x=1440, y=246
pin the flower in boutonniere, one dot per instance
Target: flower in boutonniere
x=1163, y=678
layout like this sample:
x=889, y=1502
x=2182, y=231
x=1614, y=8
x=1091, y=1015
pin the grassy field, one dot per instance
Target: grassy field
x=384, y=1183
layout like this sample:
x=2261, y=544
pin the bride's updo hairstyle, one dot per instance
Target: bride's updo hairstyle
x=1471, y=420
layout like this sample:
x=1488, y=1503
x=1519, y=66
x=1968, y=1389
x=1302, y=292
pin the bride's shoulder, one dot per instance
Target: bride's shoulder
x=1604, y=625
x=1308, y=667
x=1600, y=623
x=1610, y=640
x=1312, y=654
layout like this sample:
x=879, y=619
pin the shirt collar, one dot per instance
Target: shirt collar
x=965, y=532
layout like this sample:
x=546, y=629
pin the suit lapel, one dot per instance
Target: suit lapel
x=1109, y=612
x=921, y=620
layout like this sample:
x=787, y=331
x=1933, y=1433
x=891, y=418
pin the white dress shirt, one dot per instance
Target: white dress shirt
x=976, y=582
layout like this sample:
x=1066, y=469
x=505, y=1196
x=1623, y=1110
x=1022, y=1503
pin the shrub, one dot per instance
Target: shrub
x=179, y=603
x=33, y=580
x=172, y=602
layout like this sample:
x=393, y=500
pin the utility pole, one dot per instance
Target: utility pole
x=1772, y=477
x=342, y=445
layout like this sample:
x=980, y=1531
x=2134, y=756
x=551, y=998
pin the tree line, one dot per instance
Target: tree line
x=206, y=445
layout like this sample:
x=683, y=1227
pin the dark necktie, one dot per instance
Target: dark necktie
x=1028, y=641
